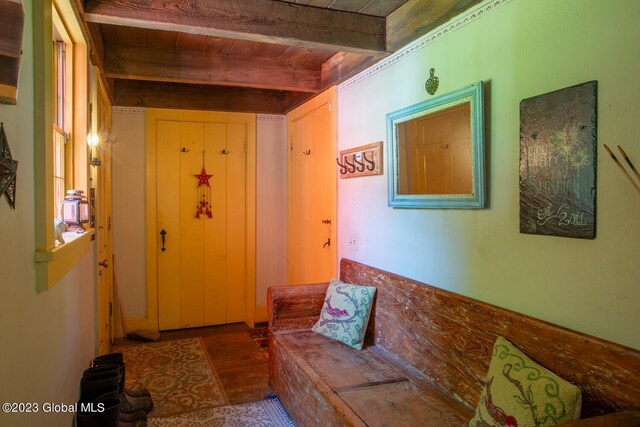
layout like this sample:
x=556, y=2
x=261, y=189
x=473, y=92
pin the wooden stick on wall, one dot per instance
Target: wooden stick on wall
x=624, y=171
x=628, y=160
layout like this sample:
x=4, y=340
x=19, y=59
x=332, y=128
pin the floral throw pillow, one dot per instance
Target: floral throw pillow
x=519, y=392
x=345, y=313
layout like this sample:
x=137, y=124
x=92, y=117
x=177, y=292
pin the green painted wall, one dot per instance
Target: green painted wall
x=521, y=49
x=48, y=338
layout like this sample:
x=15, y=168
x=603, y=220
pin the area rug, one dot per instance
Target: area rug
x=178, y=374
x=260, y=336
x=265, y=413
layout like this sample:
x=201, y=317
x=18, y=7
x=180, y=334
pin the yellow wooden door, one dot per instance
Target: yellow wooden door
x=236, y=211
x=201, y=272
x=102, y=184
x=312, y=191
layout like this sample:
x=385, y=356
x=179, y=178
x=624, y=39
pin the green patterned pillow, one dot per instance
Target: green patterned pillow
x=345, y=313
x=519, y=392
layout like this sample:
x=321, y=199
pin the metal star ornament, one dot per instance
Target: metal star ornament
x=203, y=178
x=203, y=198
x=8, y=170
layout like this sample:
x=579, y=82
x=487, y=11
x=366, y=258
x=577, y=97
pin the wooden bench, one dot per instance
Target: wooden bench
x=426, y=353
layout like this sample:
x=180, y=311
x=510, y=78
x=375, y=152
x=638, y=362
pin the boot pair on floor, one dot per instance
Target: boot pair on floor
x=104, y=400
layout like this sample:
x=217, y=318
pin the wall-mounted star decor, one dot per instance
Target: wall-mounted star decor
x=203, y=202
x=8, y=170
x=203, y=178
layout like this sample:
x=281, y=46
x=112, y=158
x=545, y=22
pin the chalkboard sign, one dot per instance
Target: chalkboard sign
x=558, y=162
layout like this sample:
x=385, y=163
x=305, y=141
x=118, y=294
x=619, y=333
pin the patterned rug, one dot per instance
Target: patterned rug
x=266, y=413
x=260, y=336
x=178, y=374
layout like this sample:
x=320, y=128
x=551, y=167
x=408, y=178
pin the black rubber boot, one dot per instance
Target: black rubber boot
x=96, y=384
x=118, y=358
x=106, y=413
x=111, y=357
x=104, y=383
x=128, y=404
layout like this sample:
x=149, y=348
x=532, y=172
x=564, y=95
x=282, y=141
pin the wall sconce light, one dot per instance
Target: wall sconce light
x=93, y=140
x=75, y=210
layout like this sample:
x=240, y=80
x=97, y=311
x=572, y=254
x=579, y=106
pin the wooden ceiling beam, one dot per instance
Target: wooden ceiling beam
x=406, y=24
x=342, y=66
x=417, y=17
x=131, y=93
x=163, y=65
x=257, y=20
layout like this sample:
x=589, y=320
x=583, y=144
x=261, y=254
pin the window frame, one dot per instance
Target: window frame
x=63, y=108
x=52, y=262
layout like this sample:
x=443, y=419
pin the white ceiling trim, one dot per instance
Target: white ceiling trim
x=116, y=109
x=460, y=21
x=269, y=117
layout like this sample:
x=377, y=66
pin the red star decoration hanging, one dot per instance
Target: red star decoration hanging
x=203, y=203
x=203, y=178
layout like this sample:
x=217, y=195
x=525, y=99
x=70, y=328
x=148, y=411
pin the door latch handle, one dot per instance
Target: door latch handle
x=163, y=233
x=327, y=243
x=104, y=263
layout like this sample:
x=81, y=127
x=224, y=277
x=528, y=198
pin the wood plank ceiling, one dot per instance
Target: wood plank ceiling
x=262, y=56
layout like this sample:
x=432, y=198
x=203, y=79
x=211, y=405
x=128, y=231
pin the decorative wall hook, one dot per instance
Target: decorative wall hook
x=351, y=167
x=224, y=152
x=343, y=168
x=306, y=153
x=360, y=167
x=432, y=82
x=371, y=164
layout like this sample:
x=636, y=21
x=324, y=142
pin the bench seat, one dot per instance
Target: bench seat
x=425, y=357
x=373, y=387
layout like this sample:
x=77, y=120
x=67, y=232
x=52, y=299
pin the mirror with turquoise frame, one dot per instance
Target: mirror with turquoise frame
x=436, y=152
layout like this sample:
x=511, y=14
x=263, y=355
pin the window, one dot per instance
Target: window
x=59, y=133
x=59, y=78
x=63, y=111
x=58, y=172
x=60, y=128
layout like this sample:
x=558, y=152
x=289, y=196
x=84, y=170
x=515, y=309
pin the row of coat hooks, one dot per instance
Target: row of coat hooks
x=356, y=165
x=186, y=150
x=361, y=161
